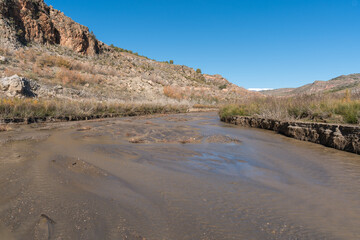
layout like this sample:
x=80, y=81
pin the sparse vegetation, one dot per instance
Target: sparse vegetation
x=53, y=61
x=62, y=74
x=13, y=108
x=221, y=87
x=118, y=49
x=173, y=92
x=67, y=76
x=233, y=110
x=200, y=106
x=191, y=94
x=92, y=35
x=317, y=108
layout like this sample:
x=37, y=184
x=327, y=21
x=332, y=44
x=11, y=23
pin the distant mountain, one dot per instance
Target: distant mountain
x=335, y=85
x=40, y=43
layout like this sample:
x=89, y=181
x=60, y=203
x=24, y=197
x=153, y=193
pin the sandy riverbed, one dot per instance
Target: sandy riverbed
x=185, y=176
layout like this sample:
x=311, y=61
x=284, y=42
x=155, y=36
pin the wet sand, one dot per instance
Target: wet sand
x=185, y=176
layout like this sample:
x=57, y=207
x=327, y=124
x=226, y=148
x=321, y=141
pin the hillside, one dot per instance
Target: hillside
x=56, y=57
x=335, y=85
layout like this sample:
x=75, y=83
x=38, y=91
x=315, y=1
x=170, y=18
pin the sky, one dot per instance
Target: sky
x=252, y=43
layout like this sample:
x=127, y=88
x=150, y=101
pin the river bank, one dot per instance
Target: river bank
x=341, y=137
x=39, y=111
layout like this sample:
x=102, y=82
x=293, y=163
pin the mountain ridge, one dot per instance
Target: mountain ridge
x=350, y=82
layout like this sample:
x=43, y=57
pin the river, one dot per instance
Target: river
x=184, y=176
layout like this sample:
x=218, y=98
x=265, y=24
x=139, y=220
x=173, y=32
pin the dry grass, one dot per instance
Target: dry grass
x=5, y=52
x=55, y=108
x=204, y=106
x=67, y=77
x=173, y=92
x=53, y=61
x=200, y=95
x=5, y=128
x=9, y=71
x=320, y=108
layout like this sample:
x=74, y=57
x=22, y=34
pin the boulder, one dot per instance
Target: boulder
x=16, y=86
x=3, y=59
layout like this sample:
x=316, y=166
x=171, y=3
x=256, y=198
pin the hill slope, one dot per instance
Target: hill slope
x=335, y=85
x=65, y=60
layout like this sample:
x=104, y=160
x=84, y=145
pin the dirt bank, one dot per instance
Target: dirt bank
x=342, y=137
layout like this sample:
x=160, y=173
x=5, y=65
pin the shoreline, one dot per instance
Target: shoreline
x=30, y=120
x=338, y=136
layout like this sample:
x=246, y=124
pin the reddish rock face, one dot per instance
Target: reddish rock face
x=33, y=21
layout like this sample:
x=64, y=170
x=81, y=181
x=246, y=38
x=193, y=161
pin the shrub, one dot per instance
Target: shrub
x=198, y=70
x=233, y=110
x=171, y=62
x=173, y=92
x=67, y=76
x=350, y=111
x=53, y=61
x=222, y=87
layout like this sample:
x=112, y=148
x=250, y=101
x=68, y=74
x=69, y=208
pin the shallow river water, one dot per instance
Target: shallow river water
x=185, y=176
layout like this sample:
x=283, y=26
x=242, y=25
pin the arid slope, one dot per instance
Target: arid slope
x=335, y=85
x=65, y=58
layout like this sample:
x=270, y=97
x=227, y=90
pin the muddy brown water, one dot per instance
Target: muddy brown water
x=185, y=176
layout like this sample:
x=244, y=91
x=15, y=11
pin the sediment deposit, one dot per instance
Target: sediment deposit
x=342, y=137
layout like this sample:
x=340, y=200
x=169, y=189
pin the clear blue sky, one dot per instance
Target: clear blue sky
x=253, y=43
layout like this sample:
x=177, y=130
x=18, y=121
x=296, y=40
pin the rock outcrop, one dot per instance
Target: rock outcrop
x=342, y=137
x=16, y=86
x=25, y=21
x=21, y=87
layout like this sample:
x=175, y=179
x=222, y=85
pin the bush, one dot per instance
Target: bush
x=222, y=87
x=350, y=111
x=173, y=92
x=233, y=110
x=198, y=70
x=67, y=76
x=171, y=62
x=53, y=61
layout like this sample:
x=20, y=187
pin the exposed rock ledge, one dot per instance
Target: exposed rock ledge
x=342, y=137
x=21, y=87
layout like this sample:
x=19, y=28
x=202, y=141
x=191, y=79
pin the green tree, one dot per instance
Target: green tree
x=198, y=70
x=171, y=61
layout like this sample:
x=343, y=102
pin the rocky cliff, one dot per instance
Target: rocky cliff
x=342, y=137
x=25, y=21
